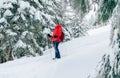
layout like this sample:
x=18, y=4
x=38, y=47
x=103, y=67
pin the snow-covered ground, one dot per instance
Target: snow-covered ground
x=80, y=57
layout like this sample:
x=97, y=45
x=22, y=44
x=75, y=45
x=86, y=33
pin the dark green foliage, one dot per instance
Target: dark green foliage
x=32, y=3
x=21, y=52
x=2, y=11
x=2, y=57
x=83, y=6
x=106, y=10
x=15, y=7
x=105, y=67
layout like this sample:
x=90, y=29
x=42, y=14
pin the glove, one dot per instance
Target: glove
x=48, y=35
x=55, y=36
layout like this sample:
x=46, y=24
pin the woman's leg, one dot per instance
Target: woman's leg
x=57, y=53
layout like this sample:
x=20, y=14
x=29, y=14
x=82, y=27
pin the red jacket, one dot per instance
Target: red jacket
x=58, y=32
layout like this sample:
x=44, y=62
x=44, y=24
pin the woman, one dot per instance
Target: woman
x=56, y=39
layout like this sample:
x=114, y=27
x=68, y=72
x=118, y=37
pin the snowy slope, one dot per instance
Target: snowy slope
x=80, y=57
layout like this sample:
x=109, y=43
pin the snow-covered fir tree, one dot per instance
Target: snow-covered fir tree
x=104, y=67
x=23, y=25
x=74, y=19
x=110, y=66
x=103, y=12
x=105, y=9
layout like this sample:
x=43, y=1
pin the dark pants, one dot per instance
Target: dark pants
x=57, y=53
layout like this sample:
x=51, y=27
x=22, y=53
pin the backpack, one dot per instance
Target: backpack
x=62, y=36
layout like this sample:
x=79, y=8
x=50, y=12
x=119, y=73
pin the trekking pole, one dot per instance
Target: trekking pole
x=49, y=47
x=51, y=53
